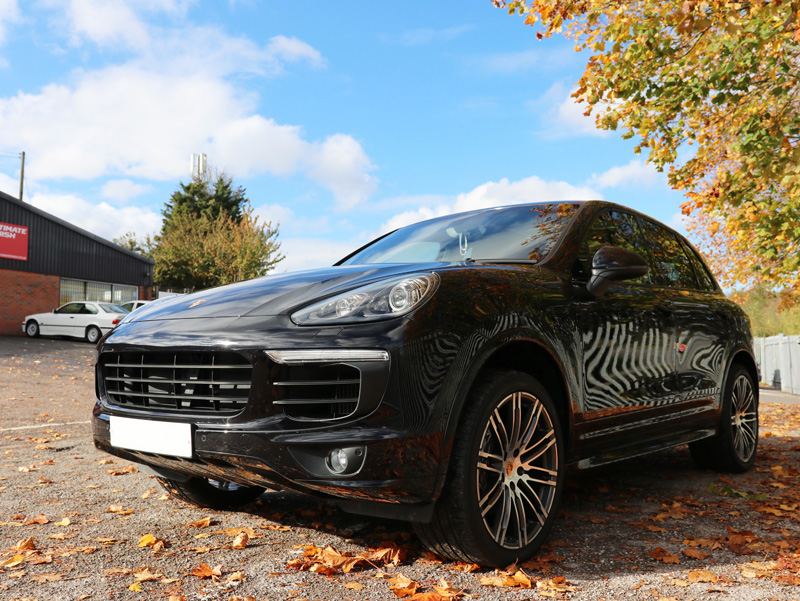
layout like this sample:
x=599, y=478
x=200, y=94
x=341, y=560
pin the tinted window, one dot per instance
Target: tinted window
x=703, y=275
x=110, y=308
x=89, y=309
x=671, y=266
x=70, y=308
x=612, y=228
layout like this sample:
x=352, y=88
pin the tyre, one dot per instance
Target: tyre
x=212, y=493
x=93, y=334
x=506, y=475
x=32, y=329
x=733, y=448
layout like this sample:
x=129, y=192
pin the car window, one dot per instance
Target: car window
x=90, y=309
x=110, y=308
x=671, y=265
x=611, y=228
x=704, y=277
x=70, y=308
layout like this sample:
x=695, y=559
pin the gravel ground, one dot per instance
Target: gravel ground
x=78, y=524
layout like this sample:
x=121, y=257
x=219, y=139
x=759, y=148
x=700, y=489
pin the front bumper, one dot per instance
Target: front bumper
x=393, y=439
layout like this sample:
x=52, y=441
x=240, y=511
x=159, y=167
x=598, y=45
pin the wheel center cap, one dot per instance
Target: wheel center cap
x=509, y=468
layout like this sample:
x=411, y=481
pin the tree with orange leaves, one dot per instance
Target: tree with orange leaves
x=717, y=82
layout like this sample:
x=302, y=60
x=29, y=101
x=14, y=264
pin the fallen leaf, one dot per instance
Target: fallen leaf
x=204, y=523
x=240, y=542
x=663, y=555
x=696, y=554
x=206, y=571
x=64, y=522
x=46, y=577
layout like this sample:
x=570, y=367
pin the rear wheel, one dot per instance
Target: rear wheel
x=733, y=448
x=506, y=475
x=32, y=329
x=212, y=493
x=93, y=334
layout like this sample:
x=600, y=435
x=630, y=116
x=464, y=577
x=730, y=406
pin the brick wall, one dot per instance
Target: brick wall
x=25, y=293
x=145, y=293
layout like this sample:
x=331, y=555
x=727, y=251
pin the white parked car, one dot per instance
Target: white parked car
x=134, y=304
x=82, y=319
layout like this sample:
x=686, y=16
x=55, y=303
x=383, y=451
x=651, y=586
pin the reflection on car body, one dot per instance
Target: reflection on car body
x=447, y=373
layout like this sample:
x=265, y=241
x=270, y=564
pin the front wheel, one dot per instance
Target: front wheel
x=506, y=475
x=32, y=329
x=733, y=448
x=214, y=494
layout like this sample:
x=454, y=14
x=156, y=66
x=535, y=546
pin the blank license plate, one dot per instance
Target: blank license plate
x=164, y=438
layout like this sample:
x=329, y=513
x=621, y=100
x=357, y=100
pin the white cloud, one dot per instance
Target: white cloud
x=511, y=63
x=124, y=189
x=562, y=117
x=679, y=222
x=106, y=23
x=9, y=14
x=311, y=253
x=101, y=219
x=9, y=185
x=635, y=173
x=134, y=122
x=340, y=164
x=293, y=50
x=289, y=222
x=419, y=37
x=496, y=194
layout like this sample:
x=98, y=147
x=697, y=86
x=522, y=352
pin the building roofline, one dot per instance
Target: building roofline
x=75, y=228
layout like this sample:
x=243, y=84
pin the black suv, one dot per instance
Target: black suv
x=447, y=373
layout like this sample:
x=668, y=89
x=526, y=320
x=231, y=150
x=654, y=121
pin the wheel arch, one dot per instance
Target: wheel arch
x=523, y=354
x=744, y=357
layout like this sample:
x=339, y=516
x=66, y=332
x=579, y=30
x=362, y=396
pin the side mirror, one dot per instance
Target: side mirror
x=611, y=264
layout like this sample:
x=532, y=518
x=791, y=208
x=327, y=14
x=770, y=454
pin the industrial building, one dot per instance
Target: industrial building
x=46, y=262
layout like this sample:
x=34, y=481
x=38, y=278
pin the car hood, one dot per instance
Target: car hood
x=274, y=294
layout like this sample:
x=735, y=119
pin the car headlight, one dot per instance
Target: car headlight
x=381, y=300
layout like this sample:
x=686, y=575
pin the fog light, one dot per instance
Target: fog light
x=337, y=461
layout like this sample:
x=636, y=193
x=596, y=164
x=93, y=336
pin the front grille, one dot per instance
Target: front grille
x=316, y=392
x=191, y=382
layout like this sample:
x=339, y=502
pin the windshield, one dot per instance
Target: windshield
x=526, y=232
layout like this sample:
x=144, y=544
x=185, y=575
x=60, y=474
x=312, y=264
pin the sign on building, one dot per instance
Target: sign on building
x=13, y=242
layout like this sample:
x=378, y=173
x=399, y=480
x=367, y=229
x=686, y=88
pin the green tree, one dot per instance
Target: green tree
x=711, y=90
x=194, y=252
x=207, y=197
x=129, y=241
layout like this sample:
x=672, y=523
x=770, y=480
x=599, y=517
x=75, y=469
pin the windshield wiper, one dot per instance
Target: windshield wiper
x=504, y=261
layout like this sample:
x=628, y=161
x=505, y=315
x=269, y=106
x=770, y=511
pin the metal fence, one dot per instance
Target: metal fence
x=779, y=360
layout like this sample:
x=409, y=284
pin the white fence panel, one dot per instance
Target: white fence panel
x=779, y=360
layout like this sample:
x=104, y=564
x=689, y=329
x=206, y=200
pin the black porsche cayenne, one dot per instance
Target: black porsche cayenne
x=447, y=373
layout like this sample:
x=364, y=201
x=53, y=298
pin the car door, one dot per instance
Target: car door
x=62, y=321
x=88, y=315
x=628, y=346
x=704, y=321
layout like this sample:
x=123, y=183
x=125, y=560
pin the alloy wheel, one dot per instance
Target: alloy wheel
x=517, y=470
x=744, y=418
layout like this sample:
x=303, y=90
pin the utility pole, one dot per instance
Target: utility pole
x=21, y=175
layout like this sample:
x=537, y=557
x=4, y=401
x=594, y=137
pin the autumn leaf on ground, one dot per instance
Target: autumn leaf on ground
x=119, y=510
x=702, y=576
x=12, y=562
x=25, y=543
x=329, y=561
x=240, y=542
x=663, y=555
x=128, y=469
x=204, y=523
x=236, y=577
x=64, y=522
x=511, y=578
x=466, y=567
x=144, y=575
x=206, y=571
x=402, y=586
x=556, y=587
x=696, y=554
x=447, y=590
x=46, y=577
x=39, y=519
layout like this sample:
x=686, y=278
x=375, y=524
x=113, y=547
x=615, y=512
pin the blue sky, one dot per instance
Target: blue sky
x=341, y=120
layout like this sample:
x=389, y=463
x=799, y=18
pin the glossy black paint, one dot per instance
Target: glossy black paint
x=633, y=368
